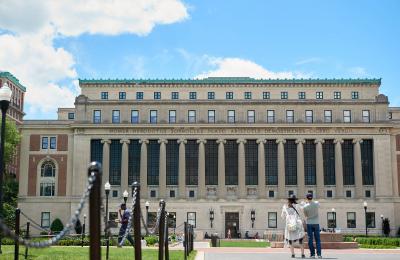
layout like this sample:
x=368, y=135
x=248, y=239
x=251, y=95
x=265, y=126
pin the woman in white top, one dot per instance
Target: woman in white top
x=293, y=215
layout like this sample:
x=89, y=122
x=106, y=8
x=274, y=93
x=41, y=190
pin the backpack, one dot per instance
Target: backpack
x=293, y=221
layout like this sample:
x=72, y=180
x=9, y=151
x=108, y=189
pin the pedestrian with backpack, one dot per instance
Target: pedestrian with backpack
x=311, y=209
x=292, y=213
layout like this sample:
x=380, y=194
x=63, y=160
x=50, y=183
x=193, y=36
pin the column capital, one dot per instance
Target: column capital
x=300, y=141
x=162, y=141
x=316, y=141
x=338, y=140
x=357, y=140
x=219, y=141
x=280, y=140
x=125, y=141
x=203, y=141
x=143, y=141
x=261, y=140
x=241, y=140
x=106, y=141
x=184, y=141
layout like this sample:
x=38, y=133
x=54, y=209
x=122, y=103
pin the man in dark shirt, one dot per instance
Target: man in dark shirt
x=124, y=216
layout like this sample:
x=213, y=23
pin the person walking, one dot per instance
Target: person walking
x=311, y=212
x=124, y=219
x=294, y=230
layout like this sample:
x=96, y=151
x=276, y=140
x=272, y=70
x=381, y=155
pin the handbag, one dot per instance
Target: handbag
x=302, y=221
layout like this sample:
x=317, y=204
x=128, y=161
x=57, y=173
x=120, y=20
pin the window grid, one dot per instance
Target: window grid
x=348, y=162
x=153, y=162
x=172, y=116
x=211, y=95
x=134, y=116
x=53, y=142
x=115, y=117
x=367, y=162
x=211, y=160
x=191, y=218
x=328, y=149
x=115, y=162
x=45, y=219
x=309, y=163
x=231, y=162
x=172, y=156
x=319, y=95
x=309, y=116
x=139, y=95
x=271, y=162
x=157, y=95
x=247, y=95
x=229, y=95
x=122, y=95
x=365, y=116
x=354, y=95
x=331, y=217
x=371, y=219
x=47, y=189
x=192, y=116
x=191, y=157
x=231, y=116
x=211, y=116
x=153, y=116
x=270, y=116
x=104, y=95
x=272, y=219
x=71, y=116
x=346, y=116
x=284, y=95
x=192, y=95
x=251, y=162
x=251, y=116
x=175, y=95
x=302, y=95
x=134, y=151
x=351, y=220
x=290, y=162
x=328, y=116
x=289, y=116
x=97, y=116
x=337, y=95
x=266, y=95
x=45, y=142
x=96, y=151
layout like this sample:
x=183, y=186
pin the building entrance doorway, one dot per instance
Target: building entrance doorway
x=232, y=224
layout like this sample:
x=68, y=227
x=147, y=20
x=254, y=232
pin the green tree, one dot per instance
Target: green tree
x=13, y=138
x=56, y=226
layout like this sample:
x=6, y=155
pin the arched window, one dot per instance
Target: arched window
x=47, y=179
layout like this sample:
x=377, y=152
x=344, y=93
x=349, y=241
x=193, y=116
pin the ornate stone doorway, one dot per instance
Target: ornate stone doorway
x=232, y=224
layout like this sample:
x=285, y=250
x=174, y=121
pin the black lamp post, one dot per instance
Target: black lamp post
x=5, y=97
x=147, y=205
x=174, y=216
x=366, y=224
x=211, y=217
x=253, y=217
x=107, y=188
x=83, y=229
x=125, y=194
x=383, y=231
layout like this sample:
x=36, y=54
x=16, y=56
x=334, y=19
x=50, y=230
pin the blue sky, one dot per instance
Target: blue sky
x=317, y=39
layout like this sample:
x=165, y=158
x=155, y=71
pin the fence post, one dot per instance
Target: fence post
x=185, y=240
x=27, y=237
x=83, y=229
x=161, y=230
x=166, y=238
x=191, y=237
x=94, y=211
x=137, y=236
x=16, y=244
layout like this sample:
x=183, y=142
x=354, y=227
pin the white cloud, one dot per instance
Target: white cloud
x=30, y=27
x=358, y=72
x=236, y=67
x=308, y=61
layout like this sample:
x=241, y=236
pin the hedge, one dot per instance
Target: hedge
x=394, y=242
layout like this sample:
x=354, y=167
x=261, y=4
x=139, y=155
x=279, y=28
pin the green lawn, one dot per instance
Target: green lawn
x=241, y=243
x=82, y=253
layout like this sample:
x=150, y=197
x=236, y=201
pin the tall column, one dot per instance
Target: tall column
x=162, y=181
x=338, y=168
x=221, y=169
x=182, y=169
x=106, y=161
x=242, y=169
x=261, y=168
x=202, y=170
x=300, y=167
x=124, y=165
x=319, y=157
x=281, y=168
x=358, y=168
x=143, y=168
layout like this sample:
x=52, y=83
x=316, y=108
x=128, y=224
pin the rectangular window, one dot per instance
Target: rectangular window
x=191, y=194
x=139, y=95
x=331, y=219
x=172, y=193
x=192, y=95
x=211, y=162
x=104, y=95
x=115, y=117
x=337, y=95
x=45, y=142
x=371, y=219
x=365, y=116
x=157, y=95
x=45, y=219
x=153, y=193
x=266, y=95
x=284, y=95
x=368, y=194
x=270, y=116
x=229, y=95
x=71, y=116
x=171, y=220
x=271, y=194
x=172, y=116
x=354, y=95
x=231, y=116
x=191, y=218
x=247, y=95
x=302, y=95
x=211, y=116
x=309, y=116
x=211, y=95
x=251, y=118
x=347, y=116
x=134, y=116
x=328, y=116
x=348, y=193
x=289, y=116
x=153, y=116
x=97, y=116
x=272, y=220
x=319, y=95
x=192, y=116
x=351, y=220
x=329, y=193
x=53, y=142
x=47, y=189
x=122, y=95
x=175, y=95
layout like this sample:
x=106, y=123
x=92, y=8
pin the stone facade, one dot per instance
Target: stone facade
x=118, y=131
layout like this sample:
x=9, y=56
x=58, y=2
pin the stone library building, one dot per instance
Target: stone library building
x=224, y=153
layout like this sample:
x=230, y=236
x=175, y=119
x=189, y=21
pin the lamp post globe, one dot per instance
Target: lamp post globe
x=125, y=194
x=107, y=188
x=5, y=97
x=365, y=205
x=147, y=205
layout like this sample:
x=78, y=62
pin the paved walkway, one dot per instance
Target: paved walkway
x=280, y=254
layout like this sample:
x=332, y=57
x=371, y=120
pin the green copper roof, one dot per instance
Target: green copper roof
x=229, y=80
x=10, y=77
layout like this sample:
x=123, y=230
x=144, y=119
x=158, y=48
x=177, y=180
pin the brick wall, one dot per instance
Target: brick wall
x=62, y=142
x=33, y=173
x=34, y=143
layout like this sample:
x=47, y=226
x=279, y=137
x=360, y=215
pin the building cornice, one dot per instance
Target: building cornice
x=13, y=79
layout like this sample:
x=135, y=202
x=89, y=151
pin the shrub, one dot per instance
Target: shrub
x=379, y=241
x=56, y=226
x=151, y=240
